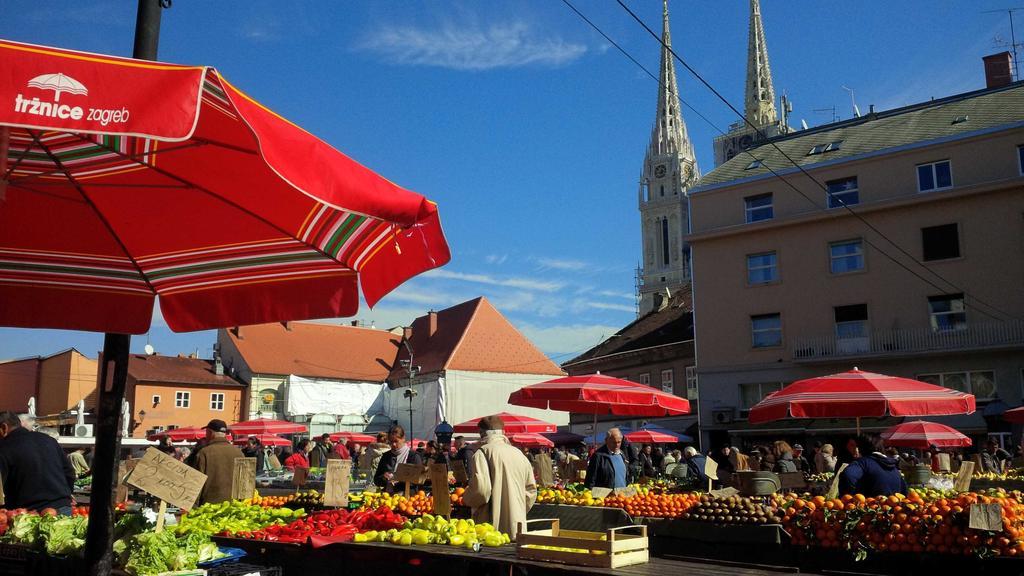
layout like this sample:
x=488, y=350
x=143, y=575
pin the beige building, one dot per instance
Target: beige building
x=923, y=278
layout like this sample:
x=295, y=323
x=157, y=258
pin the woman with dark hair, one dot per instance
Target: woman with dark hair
x=299, y=458
x=872, y=473
x=400, y=453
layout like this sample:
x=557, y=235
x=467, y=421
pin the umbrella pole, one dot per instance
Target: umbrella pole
x=112, y=378
x=858, y=425
x=595, y=429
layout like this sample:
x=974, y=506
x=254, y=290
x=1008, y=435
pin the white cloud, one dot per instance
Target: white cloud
x=513, y=282
x=613, y=294
x=496, y=258
x=561, y=264
x=465, y=46
x=605, y=306
x=566, y=341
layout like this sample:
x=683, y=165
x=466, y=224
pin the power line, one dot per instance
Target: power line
x=839, y=200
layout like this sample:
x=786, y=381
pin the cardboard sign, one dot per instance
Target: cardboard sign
x=439, y=489
x=792, y=480
x=963, y=477
x=711, y=469
x=339, y=472
x=986, y=517
x=459, y=471
x=944, y=462
x=410, y=473
x=724, y=493
x=833, y=487
x=243, y=478
x=627, y=492
x=299, y=476
x=168, y=479
x=598, y=492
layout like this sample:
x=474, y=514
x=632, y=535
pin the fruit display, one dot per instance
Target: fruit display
x=429, y=529
x=417, y=504
x=924, y=521
x=820, y=477
x=234, y=516
x=456, y=496
x=307, y=499
x=733, y=510
x=649, y=504
x=80, y=511
x=342, y=525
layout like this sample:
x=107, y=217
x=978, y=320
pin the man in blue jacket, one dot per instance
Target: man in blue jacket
x=872, y=473
x=36, y=473
x=607, y=467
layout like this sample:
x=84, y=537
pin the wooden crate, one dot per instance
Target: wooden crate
x=609, y=549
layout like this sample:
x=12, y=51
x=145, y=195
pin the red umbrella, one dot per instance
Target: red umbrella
x=923, y=435
x=183, y=434
x=346, y=436
x=266, y=426
x=530, y=440
x=651, y=437
x=514, y=424
x=1015, y=416
x=158, y=179
x=265, y=439
x=857, y=394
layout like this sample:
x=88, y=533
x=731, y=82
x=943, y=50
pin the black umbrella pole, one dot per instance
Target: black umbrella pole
x=112, y=378
x=147, y=29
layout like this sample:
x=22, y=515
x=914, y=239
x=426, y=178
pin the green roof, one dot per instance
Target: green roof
x=920, y=124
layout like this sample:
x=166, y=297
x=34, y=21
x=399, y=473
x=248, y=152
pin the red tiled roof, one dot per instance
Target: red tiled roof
x=473, y=336
x=177, y=369
x=315, y=350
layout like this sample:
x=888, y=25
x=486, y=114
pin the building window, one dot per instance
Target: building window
x=851, y=321
x=666, y=381
x=691, y=382
x=766, y=330
x=934, y=176
x=156, y=399
x=981, y=383
x=759, y=207
x=822, y=148
x=757, y=163
x=947, y=312
x=182, y=399
x=216, y=401
x=761, y=268
x=664, y=241
x=1020, y=159
x=751, y=394
x=645, y=379
x=843, y=192
x=940, y=242
x=268, y=400
x=846, y=256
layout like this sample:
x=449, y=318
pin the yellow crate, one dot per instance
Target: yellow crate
x=609, y=549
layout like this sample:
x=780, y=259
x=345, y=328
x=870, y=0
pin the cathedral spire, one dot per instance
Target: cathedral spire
x=760, y=100
x=669, y=133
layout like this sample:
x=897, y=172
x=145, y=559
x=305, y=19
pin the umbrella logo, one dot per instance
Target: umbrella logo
x=58, y=83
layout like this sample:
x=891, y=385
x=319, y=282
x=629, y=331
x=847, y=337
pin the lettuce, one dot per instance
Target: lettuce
x=64, y=535
x=23, y=529
x=154, y=552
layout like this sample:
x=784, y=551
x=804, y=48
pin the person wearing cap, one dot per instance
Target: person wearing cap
x=217, y=461
x=502, y=489
x=802, y=465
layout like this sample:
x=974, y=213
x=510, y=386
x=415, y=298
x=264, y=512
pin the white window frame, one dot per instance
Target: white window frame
x=863, y=324
x=273, y=405
x=691, y=382
x=832, y=258
x=748, y=210
x=214, y=401
x=645, y=379
x=182, y=399
x=967, y=374
x=668, y=381
x=842, y=195
x=935, y=180
x=774, y=267
x=156, y=399
x=932, y=315
x=761, y=393
x=754, y=331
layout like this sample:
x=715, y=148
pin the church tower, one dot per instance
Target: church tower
x=759, y=100
x=669, y=169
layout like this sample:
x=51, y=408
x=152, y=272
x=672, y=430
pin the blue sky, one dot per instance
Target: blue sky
x=521, y=122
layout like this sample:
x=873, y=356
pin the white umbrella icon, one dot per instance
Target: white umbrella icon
x=58, y=83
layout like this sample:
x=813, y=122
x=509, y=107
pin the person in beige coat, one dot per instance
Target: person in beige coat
x=217, y=461
x=502, y=489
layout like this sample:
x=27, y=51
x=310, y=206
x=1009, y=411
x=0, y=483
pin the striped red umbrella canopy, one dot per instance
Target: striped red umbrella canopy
x=514, y=424
x=183, y=434
x=265, y=439
x=651, y=437
x=1015, y=416
x=346, y=436
x=923, y=435
x=859, y=394
x=599, y=394
x=530, y=440
x=266, y=426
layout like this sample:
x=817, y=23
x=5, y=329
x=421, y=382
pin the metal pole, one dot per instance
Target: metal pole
x=1013, y=46
x=113, y=373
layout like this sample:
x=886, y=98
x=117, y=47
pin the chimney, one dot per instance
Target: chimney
x=355, y=323
x=238, y=332
x=407, y=333
x=218, y=366
x=998, y=69
x=431, y=324
x=287, y=325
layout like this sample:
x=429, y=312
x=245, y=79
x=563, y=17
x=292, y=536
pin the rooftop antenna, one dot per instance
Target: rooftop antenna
x=832, y=110
x=803, y=124
x=1013, y=36
x=787, y=109
x=856, y=111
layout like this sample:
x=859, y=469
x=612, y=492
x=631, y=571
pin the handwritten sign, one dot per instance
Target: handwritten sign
x=598, y=492
x=459, y=471
x=986, y=517
x=963, y=477
x=833, y=487
x=168, y=479
x=944, y=462
x=299, y=476
x=439, y=489
x=626, y=492
x=339, y=472
x=410, y=473
x=724, y=493
x=243, y=478
x=711, y=469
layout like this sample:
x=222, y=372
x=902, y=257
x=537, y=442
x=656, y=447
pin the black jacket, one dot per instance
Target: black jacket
x=36, y=472
x=388, y=463
x=872, y=475
x=600, y=470
x=259, y=455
